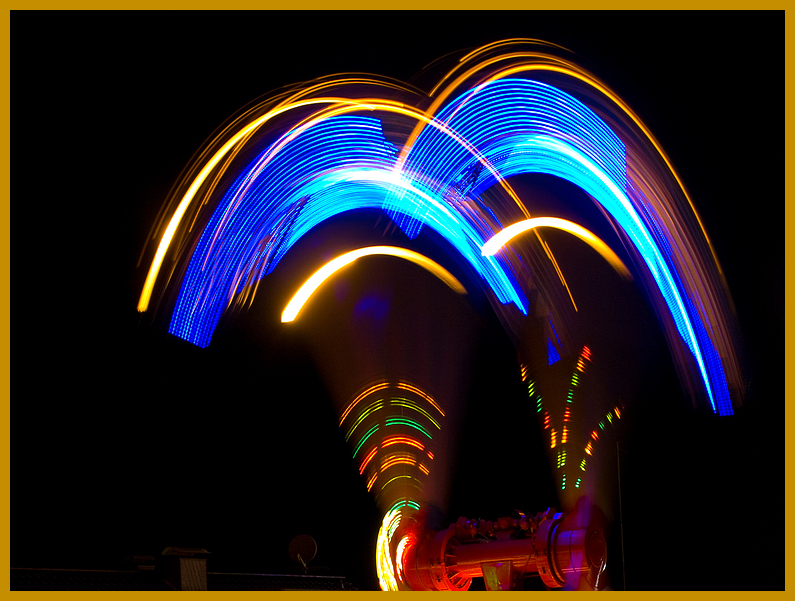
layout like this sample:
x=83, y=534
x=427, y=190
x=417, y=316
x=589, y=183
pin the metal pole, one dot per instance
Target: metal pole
x=621, y=515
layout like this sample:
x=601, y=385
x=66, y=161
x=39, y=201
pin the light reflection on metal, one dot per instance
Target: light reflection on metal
x=567, y=551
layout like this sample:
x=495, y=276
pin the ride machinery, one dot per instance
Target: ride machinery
x=562, y=549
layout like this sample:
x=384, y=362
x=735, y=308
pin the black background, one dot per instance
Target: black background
x=125, y=440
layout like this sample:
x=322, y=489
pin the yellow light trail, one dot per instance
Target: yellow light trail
x=383, y=555
x=496, y=242
x=368, y=458
x=412, y=405
x=393, y=479
x=427, y=397
x=321, y=275
x=399, y=556
x=370, y=408
x=402, y=440
x=373, y=388
x=372, y=480
x=392, y=460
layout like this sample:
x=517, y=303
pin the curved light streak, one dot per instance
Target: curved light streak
x=409, y=404
x=399, y=552
x=372, y=407
x=383, y=554
x=368, y=458
x=407, y=440
x=501, y=238
x=372, y=480
x=364, y=438
x=422, y=393
x=398, y=459
x=374, y=388
x=321, y=275
x=404, y=421
x=398, y=477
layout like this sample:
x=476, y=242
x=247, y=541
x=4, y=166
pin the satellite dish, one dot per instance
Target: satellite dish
x=303, y=549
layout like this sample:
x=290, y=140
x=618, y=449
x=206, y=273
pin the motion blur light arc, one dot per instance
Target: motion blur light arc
x=501, y=238
x=321, y=275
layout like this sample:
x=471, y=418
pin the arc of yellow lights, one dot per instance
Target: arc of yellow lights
x=381, y=386
x=308, y=288
x=415, y=390
x=496, y=242
x=373, y=388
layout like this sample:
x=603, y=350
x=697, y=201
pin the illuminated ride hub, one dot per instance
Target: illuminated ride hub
x=555, y=546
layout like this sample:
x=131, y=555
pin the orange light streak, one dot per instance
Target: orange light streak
x=398, y=459
x=372, y=480
x=373, y=388
x=402, y=440
x=415, y=390
x=321, y=275
x=501, y=238
x=368, y=458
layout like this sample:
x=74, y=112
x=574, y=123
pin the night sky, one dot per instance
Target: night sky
x=126, y=440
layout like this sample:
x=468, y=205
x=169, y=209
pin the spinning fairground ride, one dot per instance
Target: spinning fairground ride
x=457, y=173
